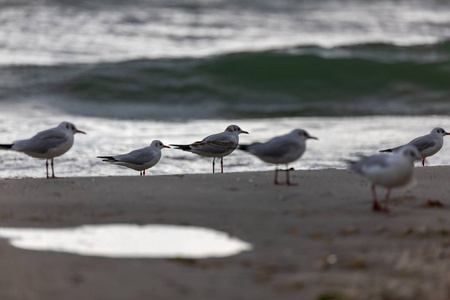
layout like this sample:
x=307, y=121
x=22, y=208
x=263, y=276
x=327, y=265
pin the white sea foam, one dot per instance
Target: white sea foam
x=339, y=138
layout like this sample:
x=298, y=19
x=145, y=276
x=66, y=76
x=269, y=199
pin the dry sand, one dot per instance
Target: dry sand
x=317, y=240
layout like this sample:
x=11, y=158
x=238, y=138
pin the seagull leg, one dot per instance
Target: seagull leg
x=388, y=194
x=143, y=172
x=276, y=175
x=46, y=167
x=53, y=170
x=376, y=205
x=287, y=176
x=423, y=162
x=214, y=163
x=221, y=165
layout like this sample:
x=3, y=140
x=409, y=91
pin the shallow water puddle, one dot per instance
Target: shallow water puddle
x=128, y=241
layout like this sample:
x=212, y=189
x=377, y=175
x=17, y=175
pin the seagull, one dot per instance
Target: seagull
x=140, y=159
x=427, y=145
x=47, y=144
x=387, y=170
x=216, y=145
x=282, y=149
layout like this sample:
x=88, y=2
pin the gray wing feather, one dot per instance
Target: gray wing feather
x=276, y=147
x=136, y=157
x=213, y=146
x=43, y=141
x=422, y=143
x=367, y=162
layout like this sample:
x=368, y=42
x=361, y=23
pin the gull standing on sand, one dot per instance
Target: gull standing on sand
x=282, y=149
x=140, y=159
x=387, y=170
x=216, y=145
x=427, y=145
x=47, y=144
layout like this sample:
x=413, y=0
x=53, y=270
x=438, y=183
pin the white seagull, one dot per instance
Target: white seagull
x=387, y=170
x=47, y=144
x=427, y=145
x=140, y=159
x=282, y=149
x=216, y=145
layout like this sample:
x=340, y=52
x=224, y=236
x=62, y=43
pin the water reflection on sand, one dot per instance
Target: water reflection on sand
x=128, y=241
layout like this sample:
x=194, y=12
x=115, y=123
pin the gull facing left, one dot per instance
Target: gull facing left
x=282, y=149
x=140, y=159
x=387, y=170
x=47, y=144
x=216, y=145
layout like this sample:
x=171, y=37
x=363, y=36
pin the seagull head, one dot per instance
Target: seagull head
x=158, y=144
x=303, y=134
x=439, y=131
x=235, y=129
x=70, y=128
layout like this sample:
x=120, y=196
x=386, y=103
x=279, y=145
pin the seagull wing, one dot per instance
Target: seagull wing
x=216, y=143
x=368, y=164
x=276, y=147
x=137, y=157
x=42, y=141
x=423, y=143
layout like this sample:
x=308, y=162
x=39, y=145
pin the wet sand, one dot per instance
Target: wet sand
x=317, y=240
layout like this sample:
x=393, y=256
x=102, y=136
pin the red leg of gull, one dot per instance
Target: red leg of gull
x=388, y=194
x=287, y=177
x=140, y=173
x=53, y=170
x=276, y=175
x=143, y=172
x=221, y=165
x=423, y=162
x=214, y=163
x=375, y=206
x=46, y=167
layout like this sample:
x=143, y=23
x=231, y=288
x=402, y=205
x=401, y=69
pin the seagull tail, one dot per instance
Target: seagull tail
x=350, y=163
x=6, y=146
x=181, y=147
x=107, y=158
x=354, y=164
x=243, y=147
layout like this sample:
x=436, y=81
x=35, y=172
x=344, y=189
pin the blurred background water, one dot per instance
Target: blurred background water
x=360, y=75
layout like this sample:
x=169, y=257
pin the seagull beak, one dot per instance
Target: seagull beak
x=313, y=137
x=165, y=146
x=243, y=131
x=447, y=133
x=79, y=131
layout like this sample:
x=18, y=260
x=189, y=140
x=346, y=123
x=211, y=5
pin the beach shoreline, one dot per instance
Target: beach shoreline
x=316, y=239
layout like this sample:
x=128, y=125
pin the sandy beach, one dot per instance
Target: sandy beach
x=317, y=240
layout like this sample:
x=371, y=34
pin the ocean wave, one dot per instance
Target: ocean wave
x=353, y=80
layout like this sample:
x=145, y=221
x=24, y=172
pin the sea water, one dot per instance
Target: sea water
x=339, y=138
